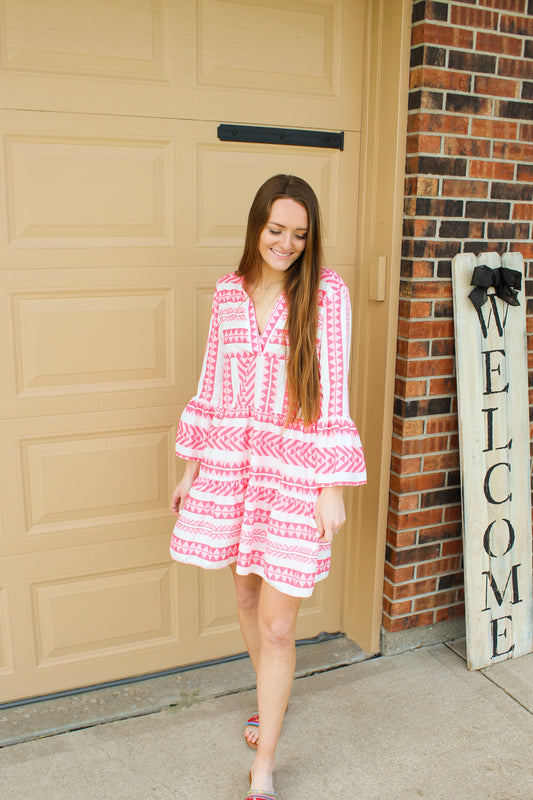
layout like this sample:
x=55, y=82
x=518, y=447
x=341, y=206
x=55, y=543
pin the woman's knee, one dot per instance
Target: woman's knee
x=247, y=590
x=277, y=631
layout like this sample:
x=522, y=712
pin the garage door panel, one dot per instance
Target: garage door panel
x=89, y=192
x=72, y=342
x=258, y=44
x=83, y=479
x=86, y=615
x=94, y=615
x=286, y=62
x=70, y=36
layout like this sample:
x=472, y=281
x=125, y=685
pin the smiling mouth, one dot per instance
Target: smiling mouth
x=280, y=255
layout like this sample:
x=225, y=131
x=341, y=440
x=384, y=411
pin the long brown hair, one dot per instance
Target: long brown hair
x=300, y=286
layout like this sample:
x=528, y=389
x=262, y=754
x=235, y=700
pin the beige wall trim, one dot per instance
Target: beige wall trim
x=385, y=93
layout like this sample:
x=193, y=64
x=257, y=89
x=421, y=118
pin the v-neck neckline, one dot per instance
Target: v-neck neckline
x=260, y=340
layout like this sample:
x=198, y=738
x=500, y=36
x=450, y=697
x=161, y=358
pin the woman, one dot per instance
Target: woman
x=269, y=443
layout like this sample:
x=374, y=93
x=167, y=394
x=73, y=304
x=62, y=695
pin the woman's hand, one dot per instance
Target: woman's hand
x=330, y=515
x=184, y=486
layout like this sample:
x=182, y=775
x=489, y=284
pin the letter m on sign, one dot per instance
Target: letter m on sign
x=492, y=389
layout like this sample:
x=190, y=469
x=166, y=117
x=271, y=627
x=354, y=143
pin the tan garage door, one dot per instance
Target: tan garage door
x=120, y=208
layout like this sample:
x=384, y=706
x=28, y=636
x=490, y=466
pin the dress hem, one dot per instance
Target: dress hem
x=281, y=587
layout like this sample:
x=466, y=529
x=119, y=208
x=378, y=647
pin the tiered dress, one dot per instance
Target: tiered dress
x=254, y=498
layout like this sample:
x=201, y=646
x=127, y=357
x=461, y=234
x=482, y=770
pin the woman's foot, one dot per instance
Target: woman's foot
x=251, y=731
x=261, y=776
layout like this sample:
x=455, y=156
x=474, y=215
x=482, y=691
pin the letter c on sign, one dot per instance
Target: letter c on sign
x=486, y=485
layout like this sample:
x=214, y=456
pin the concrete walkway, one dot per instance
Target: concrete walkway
x=415, y=725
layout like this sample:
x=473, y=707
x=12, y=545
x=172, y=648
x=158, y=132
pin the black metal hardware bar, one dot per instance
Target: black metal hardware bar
x=294, y=136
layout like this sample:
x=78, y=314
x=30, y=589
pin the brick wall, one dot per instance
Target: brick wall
x=469, y=187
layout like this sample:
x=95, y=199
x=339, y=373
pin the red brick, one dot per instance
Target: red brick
x=521, y=25
x=526, y=248
x=452, y=612
x=434, y=78
x=442, y=347
x=412, y=349
x=452, y=187
x=439, y=533
x=518, y=6
x=452, y=548
x=414, y=589
x=429, y=329
x=453, y=513
x=444, y=386
x=396, y=609
x=408, y=622
x=514, y=68
x=461, y=146
x=413, y=555
x=417, y=519
x=523, y=210
x=492, y=169
x=438, y=567
x=437, y=289
x=526, y=133
x=408, y=427
x=405, y=466
x=423, y=143
x=418, y=483
x=525, y=173
x=435, y=600
x=442, y=34
x=401, y=503
x=415, y=310
x=494, y=128
x=442, y=425
x=514, y=151
x=439, y=461
x=473, y=17
x=400, y=538
x=495, y=43
x=424, y=444
x=429, y=367
x=439, y=123
x=422, y=269
x=399, y=574
x=496, y=87
x=406, y=388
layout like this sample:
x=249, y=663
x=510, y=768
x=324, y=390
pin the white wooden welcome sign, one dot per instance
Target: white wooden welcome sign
x=491, y=357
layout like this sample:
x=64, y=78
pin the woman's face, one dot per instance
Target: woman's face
x=283, y=238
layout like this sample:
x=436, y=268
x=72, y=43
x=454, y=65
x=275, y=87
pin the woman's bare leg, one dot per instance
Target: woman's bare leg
x=247, y=590
x=277, y=614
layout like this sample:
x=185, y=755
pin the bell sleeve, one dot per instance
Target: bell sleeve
x=198, y=414
x=339, y=455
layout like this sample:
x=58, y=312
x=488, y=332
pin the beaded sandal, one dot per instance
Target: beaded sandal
x=253, y=722
x=254, y=794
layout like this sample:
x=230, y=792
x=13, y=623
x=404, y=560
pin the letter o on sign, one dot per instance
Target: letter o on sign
x=487, y=544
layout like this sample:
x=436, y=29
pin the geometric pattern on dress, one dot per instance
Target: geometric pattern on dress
x=254, y=498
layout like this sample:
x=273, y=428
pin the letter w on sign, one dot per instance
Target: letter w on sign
x=492, y=387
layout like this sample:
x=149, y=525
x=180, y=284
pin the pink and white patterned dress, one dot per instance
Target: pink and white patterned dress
x=254, y=498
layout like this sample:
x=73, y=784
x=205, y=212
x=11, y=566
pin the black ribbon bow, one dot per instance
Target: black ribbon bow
x=506, y=283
